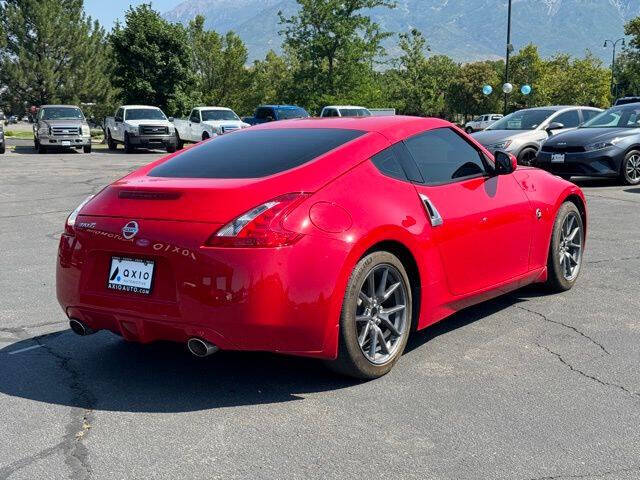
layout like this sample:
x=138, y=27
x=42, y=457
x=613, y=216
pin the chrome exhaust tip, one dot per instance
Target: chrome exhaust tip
x=80, y=328
x=201, y=348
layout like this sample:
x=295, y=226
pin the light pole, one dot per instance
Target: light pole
x=613, y=64
x=509, y=50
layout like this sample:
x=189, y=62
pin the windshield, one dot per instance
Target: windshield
x=625, y=117
x=287, y=113
x=355, y=112
x=218, y=115
x=62, y=113
x=144, y=114
x=522, y=120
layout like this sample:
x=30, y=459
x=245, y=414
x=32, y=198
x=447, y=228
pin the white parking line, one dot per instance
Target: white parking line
x=25, y=349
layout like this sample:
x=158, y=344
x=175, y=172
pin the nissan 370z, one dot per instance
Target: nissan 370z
x=327, y=238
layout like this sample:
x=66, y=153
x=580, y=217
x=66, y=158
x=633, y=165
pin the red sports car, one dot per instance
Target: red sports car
x=329, y=238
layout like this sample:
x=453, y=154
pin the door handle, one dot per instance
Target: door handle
x=434, y=216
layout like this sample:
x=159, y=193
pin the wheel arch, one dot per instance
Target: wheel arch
x=581, y=205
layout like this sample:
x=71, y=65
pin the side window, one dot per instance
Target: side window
x=195, y=116
x=569, y=119
x=119, y=114
x=387, y=162
x=589, y=114
x=443, y=156
x=262, y=113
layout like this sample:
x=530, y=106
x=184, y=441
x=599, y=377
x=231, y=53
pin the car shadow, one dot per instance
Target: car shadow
x=104, y=372
x=584, y=182
x=632, y=190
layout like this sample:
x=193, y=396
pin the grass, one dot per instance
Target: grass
x=21, y=135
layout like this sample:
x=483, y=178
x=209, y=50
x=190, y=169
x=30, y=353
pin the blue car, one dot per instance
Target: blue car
x=606, y=146
x=271, y=113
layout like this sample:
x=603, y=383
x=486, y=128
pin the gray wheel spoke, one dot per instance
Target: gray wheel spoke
x=362, y=298
x=391, y=289
x=383, y=283
x=389, y=311
x=363, y=318
x=382, y=340
x=389, y=324
x=372, y=285
x=363, y=335
x=373, y=346
x=573, y=233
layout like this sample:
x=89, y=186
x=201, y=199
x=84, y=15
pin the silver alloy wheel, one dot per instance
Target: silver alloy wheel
x=570, y=247
x=633, y=168
x=381, y=314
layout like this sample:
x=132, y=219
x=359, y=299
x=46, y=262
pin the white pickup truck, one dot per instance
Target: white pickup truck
x=140, y=126
x=206, y=122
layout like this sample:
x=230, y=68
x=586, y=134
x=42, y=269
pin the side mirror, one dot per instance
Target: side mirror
x=171, y=119
x=554, y=126
x=506, y=163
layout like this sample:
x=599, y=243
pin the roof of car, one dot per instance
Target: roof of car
x=394, y=127
x=212, y=108
x=56, y=106
x=345, y=106
x=141, y=106
x=560, y=107
x=279, y=106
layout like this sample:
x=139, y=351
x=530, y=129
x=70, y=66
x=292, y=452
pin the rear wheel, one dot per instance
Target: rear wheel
x=468, y=130
x=565, y=250
x=179, y=142
x=375, y=319
x=87, y=149
x=205, y=136
x=630, y=171
x=527, y=156
x=110, y=142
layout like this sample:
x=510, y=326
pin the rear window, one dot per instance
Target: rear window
x=254, y=153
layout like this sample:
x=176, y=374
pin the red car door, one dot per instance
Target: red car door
x=481, y=222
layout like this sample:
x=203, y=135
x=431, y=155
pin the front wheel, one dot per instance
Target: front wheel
x=2, y=148
x=87, y=149
x=630, y=172
x=565, y=249
x=128, y=148
x=468, y=130
x=171, y=148
x=376, y=317
x=527, y=156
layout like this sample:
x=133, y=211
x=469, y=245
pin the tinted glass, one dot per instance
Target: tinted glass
x=522, y=120
x=355, y=112
x=295, y=112
x=254, y=153
x=443, y=156
x=62, y=113
x=569, y=119
x=589, y=114
x=616, y=117
x=264, y=112
x=144, y=114
x=388, y=164
x=218, y=115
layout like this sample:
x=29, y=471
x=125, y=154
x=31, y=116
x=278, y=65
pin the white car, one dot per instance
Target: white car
x=482, y=122
x=345, y=111
x=140, y=126
x=206, y=122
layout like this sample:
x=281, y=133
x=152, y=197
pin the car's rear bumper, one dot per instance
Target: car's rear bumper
x=600, y=163
x=284, y=300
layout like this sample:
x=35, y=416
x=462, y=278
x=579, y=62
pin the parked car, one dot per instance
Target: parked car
x=140, y=126
x=3, y=145
x=12, y=119
x=344, y=111
x=206, y=122
x=522, y=133
x=481, y=122
x=605, y=146
x=315, y=238
x=61, y=126
x=626, y=100
x=270, y=113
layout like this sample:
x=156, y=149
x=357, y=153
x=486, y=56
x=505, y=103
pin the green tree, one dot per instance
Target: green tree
x=465, y=91
x=152, y=61
x=52, y=52
x=269, y=81
x=219, y=63
x=334, y=47
x=527, y=68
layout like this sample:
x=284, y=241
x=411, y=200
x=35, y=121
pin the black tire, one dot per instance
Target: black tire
x=36, y=144
x=557, y=281
x=179, y=142
x=111, y=144
x=630, y=168
x=128, y=148
x=3, y=148
x=527, y=156
x=205, y=136
x=86, y=149
x=41, y=148
x=351, y=360
x=469, y=130
x=171, y=148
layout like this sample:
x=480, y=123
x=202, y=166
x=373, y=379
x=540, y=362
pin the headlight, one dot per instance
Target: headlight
x=171, y=129
x=85, y=130
x=601, y=145
x=502, y=145
x=133, y=130
x=71, y=221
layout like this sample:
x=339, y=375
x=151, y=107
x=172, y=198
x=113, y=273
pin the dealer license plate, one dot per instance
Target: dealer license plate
x=66, y=143
x=557, y=158
x=130, y=275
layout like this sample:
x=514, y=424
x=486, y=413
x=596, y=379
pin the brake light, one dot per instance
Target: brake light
x=71, y=219
x=261, y=226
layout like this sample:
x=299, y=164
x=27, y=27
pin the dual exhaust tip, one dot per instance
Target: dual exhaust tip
x=198, y=347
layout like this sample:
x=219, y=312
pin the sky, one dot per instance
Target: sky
x=108, y=11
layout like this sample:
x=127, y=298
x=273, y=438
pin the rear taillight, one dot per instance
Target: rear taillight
x=261, y=226
x=71, y=220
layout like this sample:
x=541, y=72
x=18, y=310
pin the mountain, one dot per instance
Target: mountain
x=466, y=30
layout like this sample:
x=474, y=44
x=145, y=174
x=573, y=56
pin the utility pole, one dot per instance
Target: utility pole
x=509, y=49
x=613, y=65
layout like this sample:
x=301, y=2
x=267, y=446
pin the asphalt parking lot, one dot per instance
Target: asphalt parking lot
x=528, y=386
